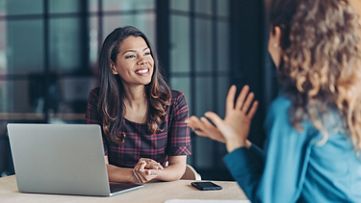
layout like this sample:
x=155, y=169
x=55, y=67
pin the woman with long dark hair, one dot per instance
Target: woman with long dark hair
x=313, y=127
x=144, y=133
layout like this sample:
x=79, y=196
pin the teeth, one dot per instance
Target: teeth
x=142, y=71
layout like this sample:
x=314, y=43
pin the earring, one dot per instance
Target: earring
x=114, y=72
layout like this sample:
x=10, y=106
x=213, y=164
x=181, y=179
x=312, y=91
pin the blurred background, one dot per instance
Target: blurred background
x=49, y=51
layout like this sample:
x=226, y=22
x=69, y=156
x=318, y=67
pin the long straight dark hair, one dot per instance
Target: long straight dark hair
x=112, y=92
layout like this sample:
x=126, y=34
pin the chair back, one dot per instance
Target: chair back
x=191, y=174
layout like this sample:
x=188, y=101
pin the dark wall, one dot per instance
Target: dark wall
x=248, y=56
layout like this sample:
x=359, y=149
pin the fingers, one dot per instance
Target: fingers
x=209, y=128
x=247, y=103
x=140, y=166
x=137, y=171
x=204, y=128
x=241, y=97
x=146, y=170
x=155, y=165
x=148, y=175
x=253, y=110
x=230, y=98
x=137, y=177
x=151, y=172
x=212, y=131
x=207, y=124
x=193, y=122
x=151, y=164
x=214, y=118
x=196, y=125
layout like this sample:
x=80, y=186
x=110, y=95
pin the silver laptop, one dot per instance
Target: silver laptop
x=61, y=159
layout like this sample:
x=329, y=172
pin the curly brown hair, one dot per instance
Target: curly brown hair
x=112, y=94
x=320, y=66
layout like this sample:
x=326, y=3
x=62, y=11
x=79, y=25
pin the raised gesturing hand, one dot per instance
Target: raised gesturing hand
x=234, y=128
x=204, y=128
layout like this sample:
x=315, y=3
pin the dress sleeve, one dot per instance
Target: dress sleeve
x=279, y=176
x=92, y=115
x=179, y=142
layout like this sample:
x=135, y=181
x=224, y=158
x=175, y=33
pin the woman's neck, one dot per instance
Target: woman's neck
x=135, y=97
x=136, y=104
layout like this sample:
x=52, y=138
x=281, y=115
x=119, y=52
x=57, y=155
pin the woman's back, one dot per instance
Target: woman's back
x=300, y=167
x=333, y=170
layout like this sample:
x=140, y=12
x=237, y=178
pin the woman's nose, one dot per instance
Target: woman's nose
x=141, y=60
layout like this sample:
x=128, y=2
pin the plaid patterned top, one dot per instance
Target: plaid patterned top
x=139, y=142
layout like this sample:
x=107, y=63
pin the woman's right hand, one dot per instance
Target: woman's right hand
x=146, y=170
x=203, y=128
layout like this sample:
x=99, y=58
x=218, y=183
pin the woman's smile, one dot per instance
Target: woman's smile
x=142, y=71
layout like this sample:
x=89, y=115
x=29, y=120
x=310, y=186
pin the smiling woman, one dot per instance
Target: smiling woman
x=134, y=63
x=143, y=121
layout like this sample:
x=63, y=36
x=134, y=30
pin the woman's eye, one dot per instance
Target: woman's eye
x=146, y=53
x=129, y=56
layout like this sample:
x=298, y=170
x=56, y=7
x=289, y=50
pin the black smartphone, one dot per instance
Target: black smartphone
x=206, y=185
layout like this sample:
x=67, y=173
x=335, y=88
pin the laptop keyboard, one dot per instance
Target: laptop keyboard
x=116, y=187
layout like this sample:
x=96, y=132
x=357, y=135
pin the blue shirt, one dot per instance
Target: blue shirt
x=296, y=166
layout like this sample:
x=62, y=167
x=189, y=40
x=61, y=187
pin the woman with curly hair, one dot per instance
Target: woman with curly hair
x=144, y=133
x=313, y=127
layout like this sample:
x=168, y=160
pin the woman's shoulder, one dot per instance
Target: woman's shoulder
x=94, y=92
x=178, y=100
x=280, y=105
x=279, y=109
x=177, y=95
x=279, y=127
x=93, y=96
x=278, y=113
